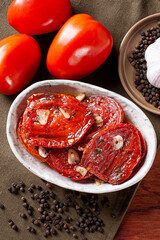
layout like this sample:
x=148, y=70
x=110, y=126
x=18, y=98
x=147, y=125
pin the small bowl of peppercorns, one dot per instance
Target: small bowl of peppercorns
x=132, y=64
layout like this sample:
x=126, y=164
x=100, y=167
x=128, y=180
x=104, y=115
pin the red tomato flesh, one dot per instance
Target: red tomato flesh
x=58, y=130
x=107, y=109
x=103, y=159
x=33, y=150
x=58, y=160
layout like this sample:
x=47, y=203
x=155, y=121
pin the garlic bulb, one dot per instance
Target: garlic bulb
x=152, y=57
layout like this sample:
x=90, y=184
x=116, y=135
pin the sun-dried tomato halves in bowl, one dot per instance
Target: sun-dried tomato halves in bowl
x=81, y=139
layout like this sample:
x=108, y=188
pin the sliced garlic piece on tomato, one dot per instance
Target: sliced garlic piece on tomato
x=117, y=142
x=65, y=114
x=42, y=116
x=81, y=96
x=99, y=121
x=43, y=152
x=71, y=141
x=99, y=182
x=81, y=170
x=73, y=157
x=81, y=149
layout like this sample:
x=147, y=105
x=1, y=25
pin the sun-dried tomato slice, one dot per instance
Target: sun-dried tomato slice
x=106, y=112
x=55, y=120
x=143, y=143
x=33, y=150
x=58, y=160
x=113, y=153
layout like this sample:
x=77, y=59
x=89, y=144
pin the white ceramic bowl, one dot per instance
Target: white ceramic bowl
x=131, y=111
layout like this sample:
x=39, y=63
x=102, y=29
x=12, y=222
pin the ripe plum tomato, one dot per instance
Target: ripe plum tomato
x=38, y=17
x=20, y=57
x=79, y=48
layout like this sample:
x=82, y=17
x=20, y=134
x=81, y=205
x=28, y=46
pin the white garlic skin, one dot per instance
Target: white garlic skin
x=152, y=57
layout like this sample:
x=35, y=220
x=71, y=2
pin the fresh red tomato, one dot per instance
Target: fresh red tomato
x=20, y=57
x=79, y=48
x=38, y=17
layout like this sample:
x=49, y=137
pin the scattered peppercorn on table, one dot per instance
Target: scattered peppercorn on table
x=31, y=208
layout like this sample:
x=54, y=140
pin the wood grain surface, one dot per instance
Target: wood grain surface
x=142, y=220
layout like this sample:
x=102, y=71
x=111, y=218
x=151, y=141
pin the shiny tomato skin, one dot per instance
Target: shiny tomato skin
x=79, y=48
x=38, y=17
x=20, y=57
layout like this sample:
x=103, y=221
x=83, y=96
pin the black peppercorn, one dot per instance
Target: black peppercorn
x=36, y=196
x=30, y=190
x=33, y=186
x=25, y=205
x=36, y=223
x=23, y=215
x=52, y=195
x=39, y=187
x=2, y=206
x=75, y=235
x=14, y=227
x=40, y=209
x=53, y=231
x=30, y=212
x=10, y=222
x=48, y=185
x=22, y=184
x=22, y=189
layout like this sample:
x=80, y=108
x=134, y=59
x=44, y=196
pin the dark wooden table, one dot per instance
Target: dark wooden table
x=142, y=220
